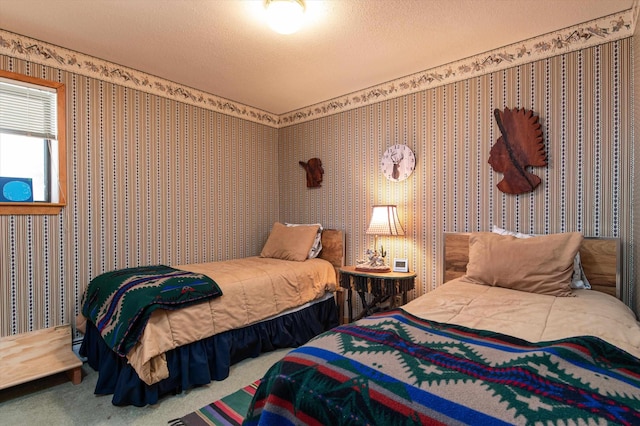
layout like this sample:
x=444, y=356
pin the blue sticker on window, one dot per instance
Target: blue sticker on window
x=16, y=189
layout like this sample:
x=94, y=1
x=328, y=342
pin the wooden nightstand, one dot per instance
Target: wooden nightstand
x=384, y=286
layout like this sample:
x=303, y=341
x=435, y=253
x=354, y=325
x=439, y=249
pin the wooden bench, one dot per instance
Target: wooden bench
x=37, y=354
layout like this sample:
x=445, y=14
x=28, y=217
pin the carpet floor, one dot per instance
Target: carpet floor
x=228, y=411
x=54, y=401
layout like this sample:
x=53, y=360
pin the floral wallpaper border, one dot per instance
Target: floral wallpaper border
x=29, y=49
x=601, y=30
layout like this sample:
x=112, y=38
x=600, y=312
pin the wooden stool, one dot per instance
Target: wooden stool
x=37, y=354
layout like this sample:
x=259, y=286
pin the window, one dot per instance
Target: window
x=32, y=145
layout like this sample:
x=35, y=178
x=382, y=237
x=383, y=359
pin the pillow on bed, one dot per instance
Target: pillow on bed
x=541, y=264
x=289, y=242
x=578, y=278
x=316, y=248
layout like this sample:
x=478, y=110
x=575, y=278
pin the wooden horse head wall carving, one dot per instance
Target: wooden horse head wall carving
x=519, y=146
x=314, y=170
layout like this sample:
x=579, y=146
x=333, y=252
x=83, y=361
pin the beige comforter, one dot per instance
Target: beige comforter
x=253, y=288
x=529, y=316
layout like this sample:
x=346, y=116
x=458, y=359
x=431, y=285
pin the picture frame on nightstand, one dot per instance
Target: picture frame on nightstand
x=400, y=265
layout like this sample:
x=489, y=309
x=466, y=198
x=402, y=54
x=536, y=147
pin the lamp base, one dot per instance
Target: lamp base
x=373, y=263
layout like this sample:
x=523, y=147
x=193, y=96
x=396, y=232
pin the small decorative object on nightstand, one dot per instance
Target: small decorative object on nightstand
x=383, y=286
x=400, y=265
x=384, y=221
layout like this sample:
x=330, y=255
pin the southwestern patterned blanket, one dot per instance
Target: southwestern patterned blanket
x=394, y=368
x=120, y=302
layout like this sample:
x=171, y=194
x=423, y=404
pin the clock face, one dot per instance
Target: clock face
x=398, y=162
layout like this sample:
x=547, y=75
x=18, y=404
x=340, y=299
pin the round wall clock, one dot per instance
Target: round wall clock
x=398, y=162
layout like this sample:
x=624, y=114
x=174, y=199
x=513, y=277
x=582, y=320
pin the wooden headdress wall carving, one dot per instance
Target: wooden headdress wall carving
x=519, y=146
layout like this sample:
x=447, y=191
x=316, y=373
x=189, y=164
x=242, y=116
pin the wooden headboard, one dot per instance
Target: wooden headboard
x=333, y=247
x=600, y=257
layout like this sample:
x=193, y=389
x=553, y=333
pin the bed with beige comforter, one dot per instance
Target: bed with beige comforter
x=253, y=289
x=510, y=339
x=256, y=292
x=465, y=354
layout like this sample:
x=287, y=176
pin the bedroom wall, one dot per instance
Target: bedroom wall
x=635, y=249
x=151, y=180
x=584, y=103
x=156, y=180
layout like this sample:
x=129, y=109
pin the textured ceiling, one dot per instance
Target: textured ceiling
x=225, y=48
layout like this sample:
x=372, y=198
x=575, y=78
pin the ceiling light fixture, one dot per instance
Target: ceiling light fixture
x=285, y=16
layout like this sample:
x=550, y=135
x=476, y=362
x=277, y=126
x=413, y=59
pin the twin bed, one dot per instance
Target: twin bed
x=511, y=337
x=280, y=299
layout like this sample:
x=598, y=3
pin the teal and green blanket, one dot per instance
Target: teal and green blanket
x=396, y=369
x=120, y=302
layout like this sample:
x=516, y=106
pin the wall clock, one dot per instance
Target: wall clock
x=398, y=162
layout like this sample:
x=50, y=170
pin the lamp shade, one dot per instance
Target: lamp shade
x=384, y=221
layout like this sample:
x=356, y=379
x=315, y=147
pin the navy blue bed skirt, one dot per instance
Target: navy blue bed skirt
x=209, y=359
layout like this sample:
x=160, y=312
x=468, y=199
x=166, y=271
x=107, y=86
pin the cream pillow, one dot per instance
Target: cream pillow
x=316, y=248
x=578, y=278
x=542, y=264
x=289, y=242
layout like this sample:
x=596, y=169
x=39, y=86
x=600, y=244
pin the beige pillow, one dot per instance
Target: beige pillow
x=542, y=264
x=289, y=242
x=578, y=278
x=316, y=247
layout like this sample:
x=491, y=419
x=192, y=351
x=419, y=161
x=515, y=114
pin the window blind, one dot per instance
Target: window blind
x=28, y=111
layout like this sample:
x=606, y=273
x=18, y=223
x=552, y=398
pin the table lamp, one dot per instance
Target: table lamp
x=384, y=221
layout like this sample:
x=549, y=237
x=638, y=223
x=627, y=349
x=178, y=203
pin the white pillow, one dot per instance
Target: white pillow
x=578, y=279
x=317, y=243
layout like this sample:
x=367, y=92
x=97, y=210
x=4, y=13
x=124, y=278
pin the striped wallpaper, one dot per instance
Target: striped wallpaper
x=583, y=99
x=155, y=180
x=151, y=180
x=633, y=251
